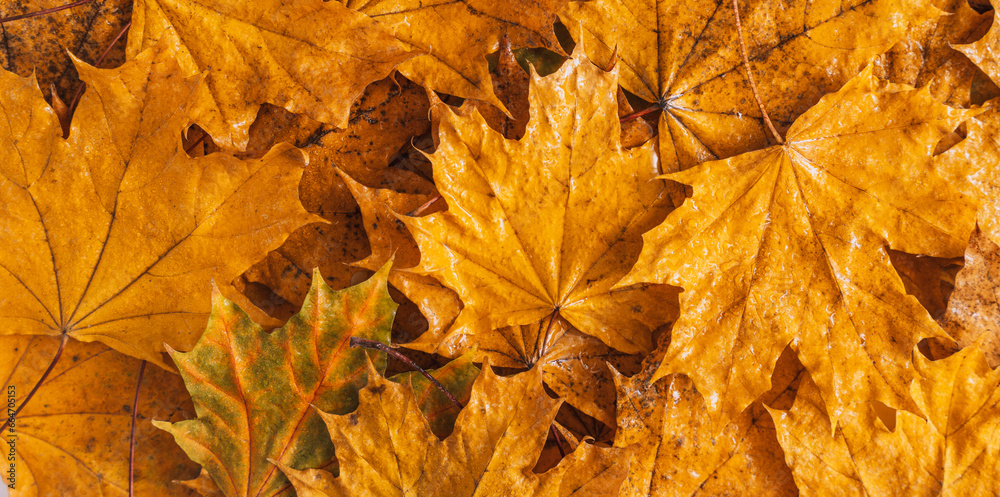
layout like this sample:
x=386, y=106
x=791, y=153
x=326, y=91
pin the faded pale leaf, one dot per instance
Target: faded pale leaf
x=73, y=437
x=308, y=56
x=955, y=452
x=973, y=315
x=684, y=55
x=456, y=36
x=255, y=391
x=785, y=246
x=550, y=222
x=386, y=447
x=115, y=234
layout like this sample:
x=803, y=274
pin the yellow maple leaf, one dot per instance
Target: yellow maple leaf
x=307, y=56
x=457, y=36
x=677, y=452
x=76, y=441
x=115, y=234
x=785, y=245
x=550, y=222
x=386, y=447
x=954, y=452
x=684, y=55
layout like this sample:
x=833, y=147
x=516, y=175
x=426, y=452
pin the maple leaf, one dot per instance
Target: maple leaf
x=38, y=44
x=685, y=57
x=307, y=56
x=929, y=279
x=953, y=452
x=114, y=234
x=387, y=448
x=547, y=223
x=973, y=315
x=457, y=377
x=785, y=245
x=389, y=239
x=983, y=51
x=253, y=390
x=77, y=441
x=973, y=167
x=383, y=120
x=926, y=57
x=573, y=364
x=676, y=451
x=457, y=35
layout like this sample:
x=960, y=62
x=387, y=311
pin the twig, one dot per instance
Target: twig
x=131, y=438
x=372, y=344
x=746, y=65
x=79, y=89
x=43, y=12
x=196, y=142
x=555, y=436
x=41, y=380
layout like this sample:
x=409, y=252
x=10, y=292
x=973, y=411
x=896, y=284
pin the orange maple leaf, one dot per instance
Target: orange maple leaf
x=547, y=223
x=115, y=234
x=784, y=245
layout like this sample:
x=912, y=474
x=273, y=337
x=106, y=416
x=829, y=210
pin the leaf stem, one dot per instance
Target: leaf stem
x=131, y=437
x=52, y=365
x=372, y=344
x=746, y=65
x=640, y=113
x=43, y=12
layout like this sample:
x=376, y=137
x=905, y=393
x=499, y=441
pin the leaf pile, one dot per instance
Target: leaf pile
x=501, y=248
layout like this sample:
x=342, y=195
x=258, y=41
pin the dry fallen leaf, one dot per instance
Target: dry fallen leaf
x=307, y=56
x=39, y=44
x=255, y=392
x=115, y=234
x=73, y=438
x=926, y=56
x=546, y=224
x=973, y=315
x=457, y=377
x=973, y=166
x=929, y=279
x=785, y=245
x=386, y=448
x=573, y=364
x=684, y=56
x=676, y=451
x=456, y=36
x=383, y=120
x=955, y=452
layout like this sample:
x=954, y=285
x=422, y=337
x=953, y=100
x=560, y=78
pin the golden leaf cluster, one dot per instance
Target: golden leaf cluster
x=417, y=248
